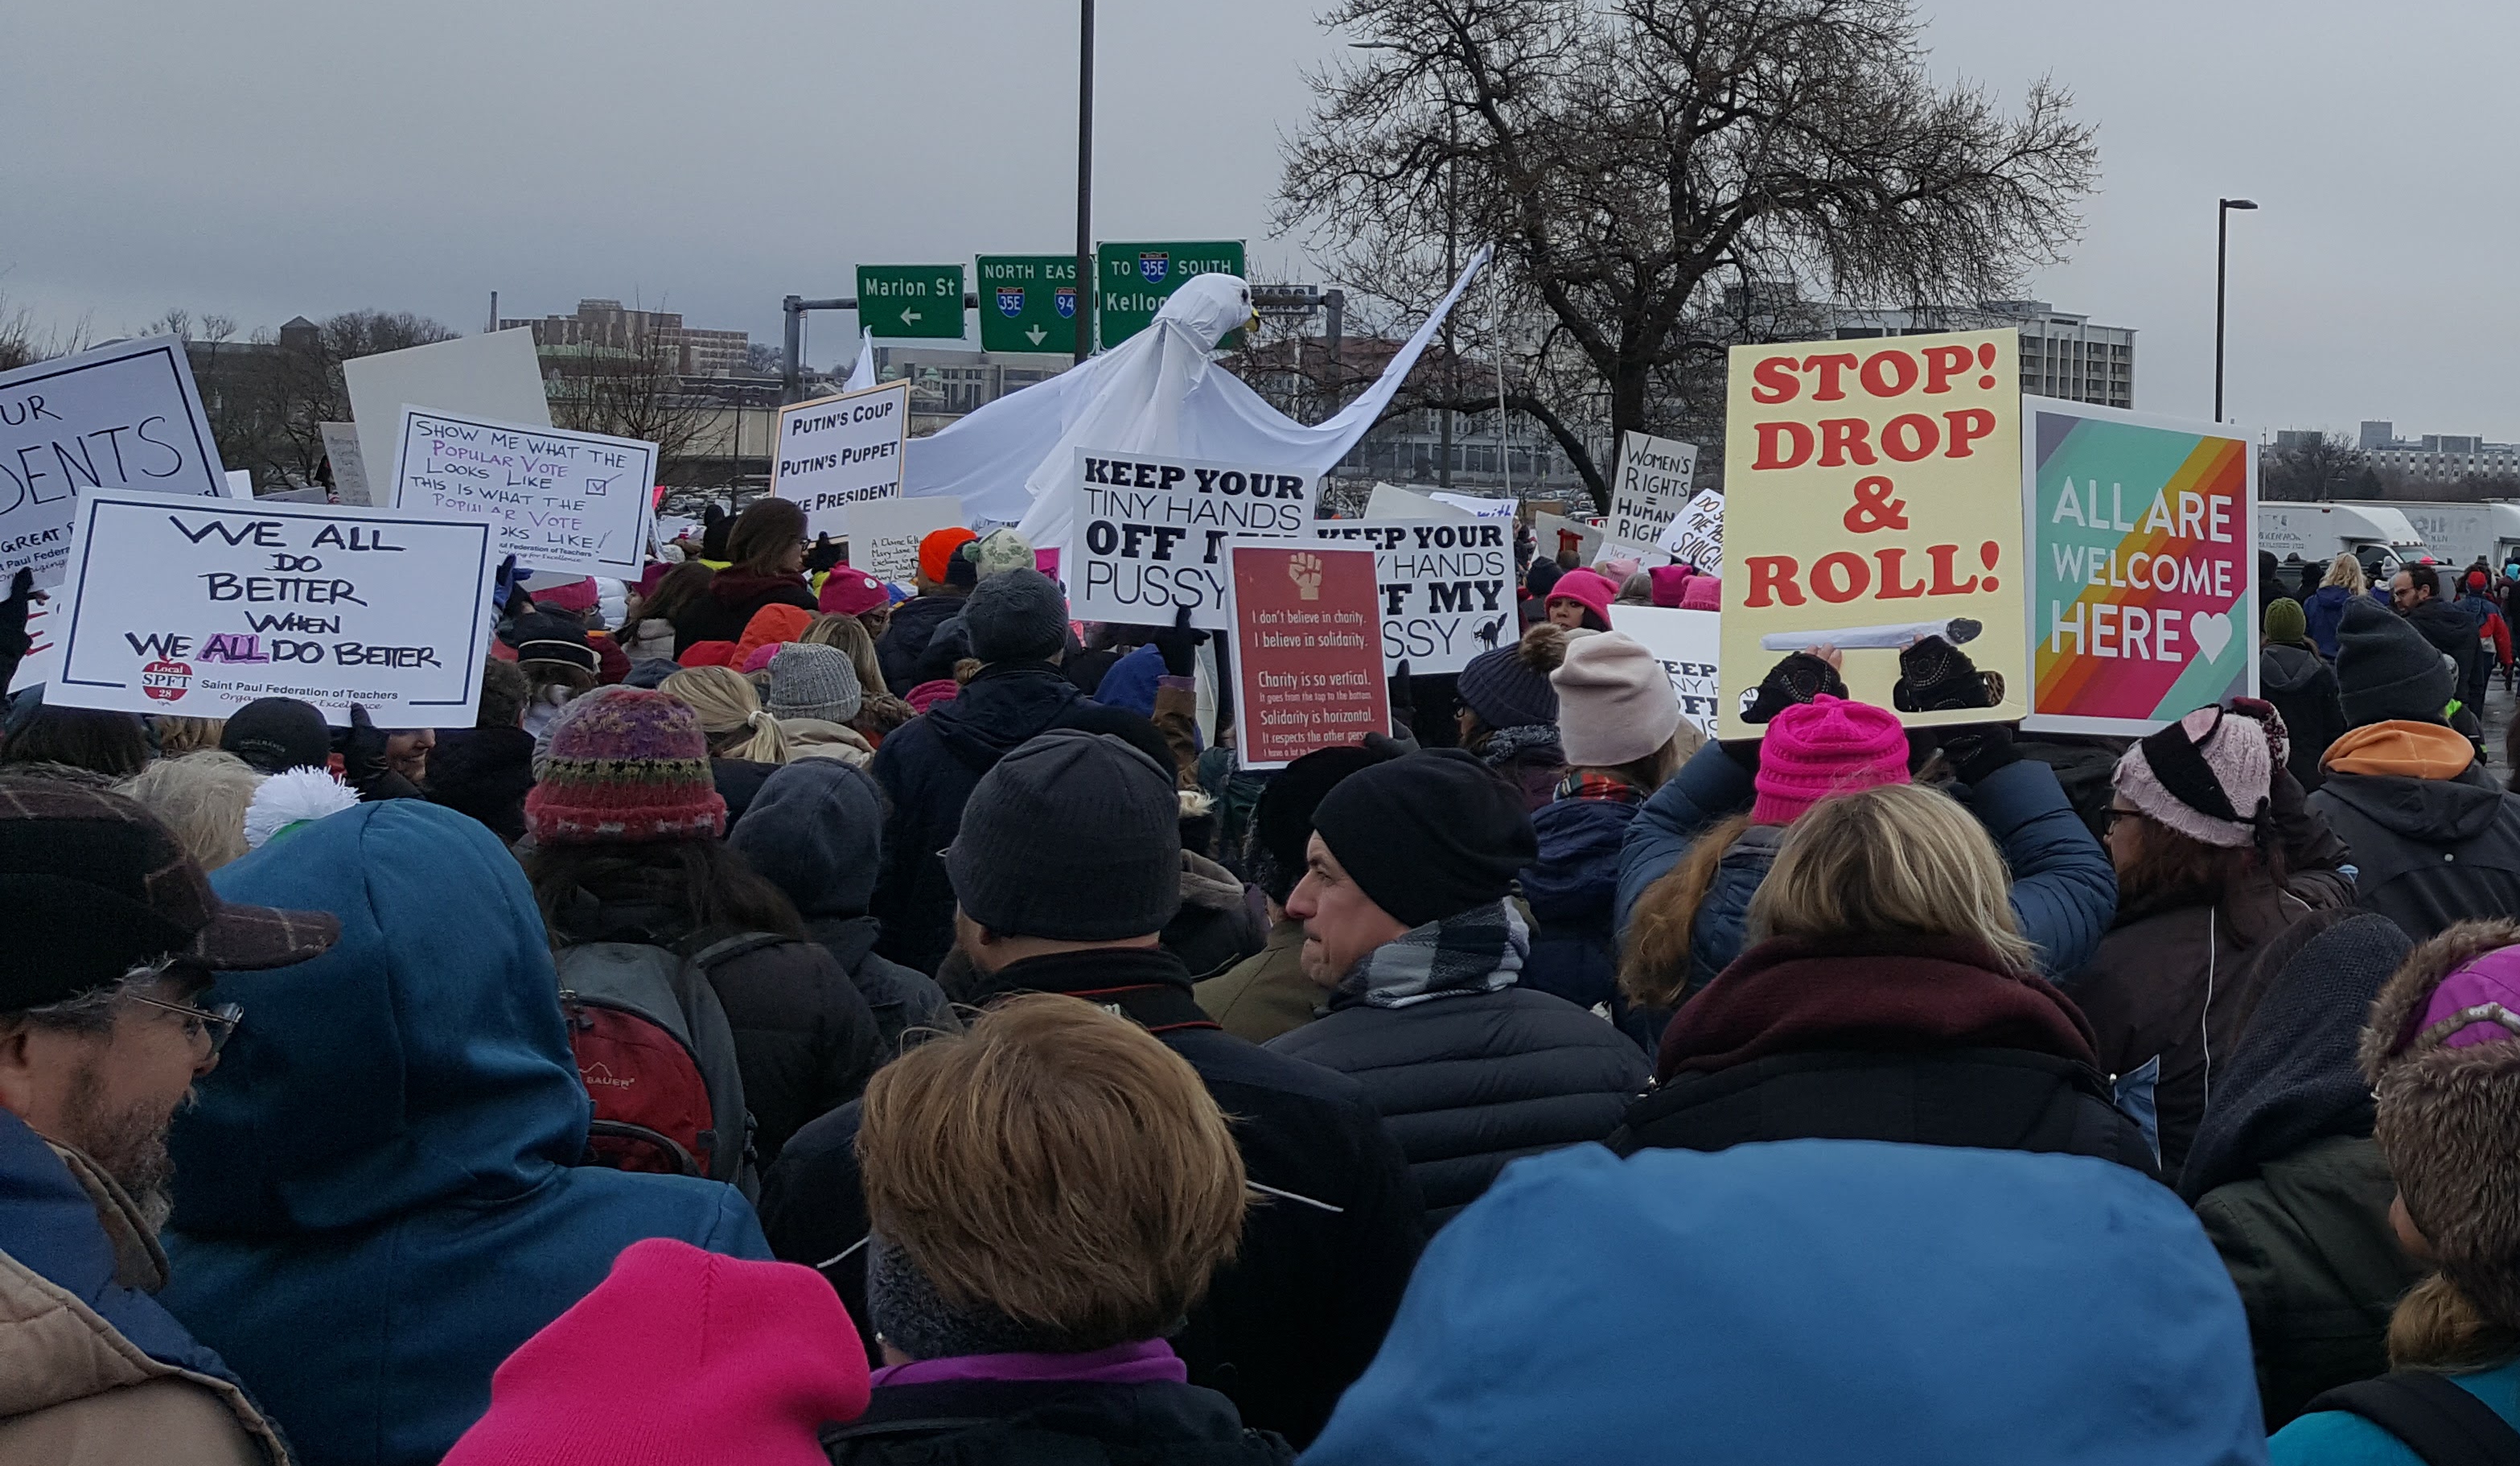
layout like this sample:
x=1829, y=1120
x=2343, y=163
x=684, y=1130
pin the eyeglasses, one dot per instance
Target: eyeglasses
x=2110, y=817
x=219, y=1023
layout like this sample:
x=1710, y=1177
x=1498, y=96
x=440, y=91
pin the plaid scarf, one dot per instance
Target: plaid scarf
x=1479, y=950
x=1601, y=787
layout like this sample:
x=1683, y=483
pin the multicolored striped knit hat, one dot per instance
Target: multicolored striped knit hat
x=628, y=768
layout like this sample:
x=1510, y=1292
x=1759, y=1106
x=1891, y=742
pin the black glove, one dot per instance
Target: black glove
x=1177, y=645
x=1401, y=703
x=1798, y=678
x=1934, y=675
x=823, y=556
x=1975, y=751
x=504, y=587
x=362, y=761
x=14, y=640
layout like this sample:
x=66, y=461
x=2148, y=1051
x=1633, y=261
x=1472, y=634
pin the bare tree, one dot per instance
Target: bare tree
x=1633, y=158
x=637, y=391
x=2315, y=468
x=268, y=398
x=23, y=343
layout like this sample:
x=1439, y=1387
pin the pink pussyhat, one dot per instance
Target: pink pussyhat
x=1669, y=582
x=1702, y=593
x=1827, y=746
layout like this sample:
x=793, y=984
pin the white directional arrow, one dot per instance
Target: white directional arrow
x=909, y=316
x=1035, y=335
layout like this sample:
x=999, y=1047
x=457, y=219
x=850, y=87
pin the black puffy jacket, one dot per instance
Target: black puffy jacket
x=902, y=652
x=1051, y=1423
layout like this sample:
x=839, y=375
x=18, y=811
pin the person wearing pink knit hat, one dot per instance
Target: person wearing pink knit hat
x=1827, y=746
x=1669, y=580
x=679, y=1357
x=1581, y=601
x=1702, y=593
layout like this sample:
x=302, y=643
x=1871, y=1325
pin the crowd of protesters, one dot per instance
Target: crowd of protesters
x=806, y=1018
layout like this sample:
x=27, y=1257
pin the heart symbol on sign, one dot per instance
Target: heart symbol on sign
x=2212, y=630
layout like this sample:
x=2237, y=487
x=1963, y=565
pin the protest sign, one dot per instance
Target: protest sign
x=2143, y=553
x=1389, y=501
x=1474, y=505
x=1555, y=534
x=1687, y=644
x=198, y=607
x=1446, y=586
x=239, y=483
x=1880, y=491
x=573, y=503
x=349, y=465
x=496, y=377
x=1307, y=651
x=884, y=533
x=119, y=417
x=1695, y=534
x=1650, y=488
x=837, y=451
x=1150, y=532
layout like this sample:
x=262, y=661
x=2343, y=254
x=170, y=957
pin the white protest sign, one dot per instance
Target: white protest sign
x=1687, y=644
x=239, y=483
x=197, y=608
x=573, y=503
x=884, y=533
x=349, y=465
x=121, y=417
x=1391, y=502
x=1695, y=536
x=1476, y=506
x=1554, y=534
x=1446, y=586
x=1650, y=486
x=837, y=451
x=496, y=377
x=1150, y=534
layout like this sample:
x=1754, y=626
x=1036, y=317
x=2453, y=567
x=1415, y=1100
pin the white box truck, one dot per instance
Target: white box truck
x=2378, y=535
x=2456, y=534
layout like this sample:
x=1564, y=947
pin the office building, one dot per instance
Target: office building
x=604, y=324
x=2062, y=354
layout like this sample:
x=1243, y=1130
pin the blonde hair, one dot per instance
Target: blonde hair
x=202, y=798
x=730, y=714
x=2436, y=1326
x=850, y=635
x=178, y=736
x=1900, y=858
x=2346, y=570
x=1057, y=1163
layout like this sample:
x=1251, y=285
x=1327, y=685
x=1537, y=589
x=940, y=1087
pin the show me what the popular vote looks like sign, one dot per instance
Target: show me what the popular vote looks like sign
x=197, y=608
x=836, y=451
x=1874, y=498
x=2141, y=533
x=1151, y=534
x=1446, y=586
x=573, y=503
x=122, y=417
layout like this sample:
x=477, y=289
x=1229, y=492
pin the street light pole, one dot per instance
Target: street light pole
x=2222, y=250
x=1452, y=268
x=1086, y=284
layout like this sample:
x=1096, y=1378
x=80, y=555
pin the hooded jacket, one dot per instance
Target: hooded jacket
x=2452, y=634
x=732, y=597
x=902, y=652
x=2303, y=687
x=1219, y=923
x=381, y=1196
x=814, y=833
x=1295, y=1316
x=2064, y=892
x=1573, y=890
x=1813, y=1301
x=92, y=1371
x=2435, y=839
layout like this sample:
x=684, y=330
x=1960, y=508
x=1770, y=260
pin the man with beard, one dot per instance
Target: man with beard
x=113, y=932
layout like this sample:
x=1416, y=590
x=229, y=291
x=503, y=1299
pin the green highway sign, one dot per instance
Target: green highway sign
x=1131, y=282
x=1027, y=302
x=911, y=299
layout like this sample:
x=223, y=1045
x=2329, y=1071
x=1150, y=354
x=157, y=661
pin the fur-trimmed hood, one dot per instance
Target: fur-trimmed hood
x=2450, y=1123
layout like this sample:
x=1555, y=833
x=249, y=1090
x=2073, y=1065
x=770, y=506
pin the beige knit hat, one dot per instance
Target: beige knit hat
x=1614, y=702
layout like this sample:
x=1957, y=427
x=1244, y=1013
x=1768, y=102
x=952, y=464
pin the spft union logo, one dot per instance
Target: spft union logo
x=167, y=682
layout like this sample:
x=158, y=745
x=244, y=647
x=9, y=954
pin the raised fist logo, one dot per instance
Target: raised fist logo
x=1306, y=572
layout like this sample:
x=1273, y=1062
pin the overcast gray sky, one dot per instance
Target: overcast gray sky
x=271, y=158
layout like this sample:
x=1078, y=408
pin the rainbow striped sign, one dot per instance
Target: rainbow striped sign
x=2142, y=545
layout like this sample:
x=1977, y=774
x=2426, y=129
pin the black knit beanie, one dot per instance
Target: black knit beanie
x=1282, y=819
x=2385, y=670
x=1427, y=836
x=1072, y=836
x=274, y=734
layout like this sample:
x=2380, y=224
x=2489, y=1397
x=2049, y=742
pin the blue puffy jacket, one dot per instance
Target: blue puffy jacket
x=2326, y=609
x=2064, y=892
x=1812, y=1300
x=1573, y=890
x=379, y=1199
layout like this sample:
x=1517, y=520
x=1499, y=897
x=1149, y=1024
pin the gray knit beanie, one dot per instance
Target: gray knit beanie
x=1072, y=836
x=1016, y=616
x=810, y=680
x=2385, y=670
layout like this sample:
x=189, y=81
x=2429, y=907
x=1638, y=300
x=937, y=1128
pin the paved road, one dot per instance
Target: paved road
x=2498, y=721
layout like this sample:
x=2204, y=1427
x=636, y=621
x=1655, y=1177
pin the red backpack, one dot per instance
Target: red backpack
x=657, y=1055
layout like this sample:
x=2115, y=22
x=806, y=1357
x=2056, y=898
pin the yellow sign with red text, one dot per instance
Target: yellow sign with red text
x=1873, y=498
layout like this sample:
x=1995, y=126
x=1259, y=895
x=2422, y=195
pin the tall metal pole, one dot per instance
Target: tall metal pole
x=2222, y=248
x=1086, y=285
x=1452, y=268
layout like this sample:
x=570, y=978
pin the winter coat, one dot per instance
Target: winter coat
x=382, y=1197
x=979, y=1422
x=730, y=602
x=2427, y=852
x=2324, y=611
x=2064, y=892
x=1266, y=994
x=1470, y=1080
x=1572, y=889
x=2340, y=1438
x=1219, y=923
x=928, y=769
x=1297, y=1314
x=1815, y=1301
x=805, y=1040
x=2303, y=687
x=2177, y=979
x=1916, y=1040
x=99, y=1374
x=2453, y=635
x=903, y=999
x=485, y=773
x=902, y=650
x=736, y=781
